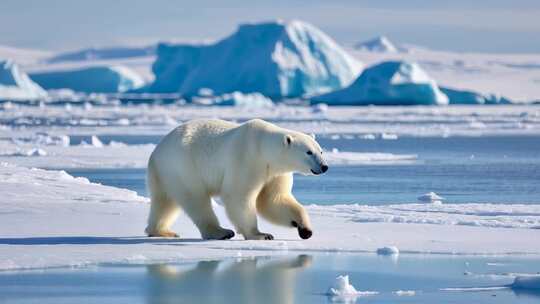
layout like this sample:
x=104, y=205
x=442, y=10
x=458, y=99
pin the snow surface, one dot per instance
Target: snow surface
x=388, y=83
x=378, y=44
x=284, y=59
x=51, y=219
x=104, y=79
x=16, y=85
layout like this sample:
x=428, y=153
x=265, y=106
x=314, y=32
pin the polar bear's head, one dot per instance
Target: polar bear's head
x=301, y=153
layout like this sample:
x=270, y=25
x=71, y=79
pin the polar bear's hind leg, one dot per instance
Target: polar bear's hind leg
x=163, y=209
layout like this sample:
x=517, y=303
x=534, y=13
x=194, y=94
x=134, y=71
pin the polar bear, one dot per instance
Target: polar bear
x=249, y=166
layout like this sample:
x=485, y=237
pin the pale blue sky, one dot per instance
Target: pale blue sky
x=462, y=25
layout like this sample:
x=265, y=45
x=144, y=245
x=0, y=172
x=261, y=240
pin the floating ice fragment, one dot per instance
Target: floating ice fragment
x=342, y=291
x=36, y=152
x=96, y=142
x=431, y=197
x=408, y=293
x=367, y=136
x=319, y=108
x=389, y=136
x=388, y=250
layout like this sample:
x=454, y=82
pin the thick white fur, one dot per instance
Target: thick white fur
x=248, y=165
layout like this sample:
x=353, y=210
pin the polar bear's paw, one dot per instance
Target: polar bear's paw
x=166, y=233
x=260, y=236
x=219, y=234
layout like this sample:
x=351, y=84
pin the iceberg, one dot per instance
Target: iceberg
x=379, y=44
x=277, y=59
x=470, y=97
x=388, y=83
x=104, y=53
x=99, y=79
x=16, y=85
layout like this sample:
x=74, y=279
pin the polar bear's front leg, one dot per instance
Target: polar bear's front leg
x=241, y=210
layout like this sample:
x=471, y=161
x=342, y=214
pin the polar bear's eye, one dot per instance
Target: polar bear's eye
x=309, y=153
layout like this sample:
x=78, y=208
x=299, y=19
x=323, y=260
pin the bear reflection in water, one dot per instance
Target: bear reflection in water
x=257, y=280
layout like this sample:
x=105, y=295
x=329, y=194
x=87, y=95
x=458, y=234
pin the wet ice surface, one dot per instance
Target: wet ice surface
x=289, y=278
x=494, y=169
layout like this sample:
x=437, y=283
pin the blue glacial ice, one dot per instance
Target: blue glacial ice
x=16, y=85
x=99, y=79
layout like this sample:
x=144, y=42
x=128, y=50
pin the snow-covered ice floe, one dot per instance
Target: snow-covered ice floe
x=90, y=223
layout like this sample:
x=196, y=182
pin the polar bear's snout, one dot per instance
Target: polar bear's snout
x=322, y=169
x=304, y=233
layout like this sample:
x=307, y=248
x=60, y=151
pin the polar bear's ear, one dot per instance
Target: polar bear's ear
x=287, y=140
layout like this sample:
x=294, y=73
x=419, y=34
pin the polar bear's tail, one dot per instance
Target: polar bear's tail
x=163, y=210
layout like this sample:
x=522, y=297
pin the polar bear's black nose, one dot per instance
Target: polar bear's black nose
x=304, y=233
x=324, y=168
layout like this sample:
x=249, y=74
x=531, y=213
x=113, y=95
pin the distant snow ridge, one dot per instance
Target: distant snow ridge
x=16, y=85
x=277, y=59
x=388, y=83
x=104, y=53
x=99, y=79
x=379, y=44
